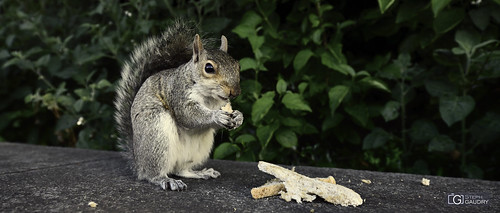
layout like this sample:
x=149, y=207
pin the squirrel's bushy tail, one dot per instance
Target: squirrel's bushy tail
x=170, y=50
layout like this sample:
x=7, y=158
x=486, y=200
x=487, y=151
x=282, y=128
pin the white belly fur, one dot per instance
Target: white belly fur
x=185, y=149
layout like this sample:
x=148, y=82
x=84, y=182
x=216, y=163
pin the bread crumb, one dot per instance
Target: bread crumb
x=329, y=179
x=426, y=182
x=271, y=188
x=227, y=108
x=366, y=181
x=92, y=204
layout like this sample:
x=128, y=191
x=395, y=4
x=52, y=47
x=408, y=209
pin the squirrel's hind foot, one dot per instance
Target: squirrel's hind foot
x=169, y=183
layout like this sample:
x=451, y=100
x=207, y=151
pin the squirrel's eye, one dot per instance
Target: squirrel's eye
x=209, y=68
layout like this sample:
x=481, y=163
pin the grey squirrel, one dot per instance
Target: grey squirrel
x=168, y=105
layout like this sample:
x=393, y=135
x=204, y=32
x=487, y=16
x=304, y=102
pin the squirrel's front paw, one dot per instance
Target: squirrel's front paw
x=223, y=119
x=209, y=173
x=236, y=119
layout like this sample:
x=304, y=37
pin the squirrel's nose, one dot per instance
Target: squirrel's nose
x=234, y=93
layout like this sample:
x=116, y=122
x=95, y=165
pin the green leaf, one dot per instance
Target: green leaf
x=359, y=113
x=248, y=64
x=281, y=86
x=265, y=133
x=448, y=19
x=438, y=88
x=441, y=143
x=363, y=73
x=287, y=138
x=316, y=36
x=291, y=122
x=86, y=58
x=438, y=5
x=302, y=87
x=268, y=154
x=458, y=51
x=256, y=42
x=378, y=62
x=83, y=94
x=467, y=39
x=480, y=17
x=314, y=19
x=422, y=131
x=345, y=24
x=486, y=129
x=384, y=5
x=377, y=138
x=251, y=87
x=403, y=61
x=247, y=155
x=306, y=129
x=336, y=64
x=390, y=110
x=262, y=106
x=301, y=59
x=78, y=105
x=324, y=7
x=408, y=10
x=245, y=139
x=331, y=121
x=248, y=24
x=455, y=108
x=295, y=101
x=103, y=83
x=336, y=95
x=375, y=83
x=43, y=61
x=66, y=101
x=391, y=71
x=224, y=150
x=66, y=121
x=346, y=69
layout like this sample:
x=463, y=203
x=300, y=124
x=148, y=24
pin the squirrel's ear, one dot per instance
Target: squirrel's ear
x=197, y=48
x=223, y=43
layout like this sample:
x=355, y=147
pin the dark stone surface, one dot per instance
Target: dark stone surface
x=53, y=179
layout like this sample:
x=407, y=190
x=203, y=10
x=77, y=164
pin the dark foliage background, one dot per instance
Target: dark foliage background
x=388, y=85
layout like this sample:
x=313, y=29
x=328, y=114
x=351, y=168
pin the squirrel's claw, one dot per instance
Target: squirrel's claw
x=172, y=184
x=177, y=185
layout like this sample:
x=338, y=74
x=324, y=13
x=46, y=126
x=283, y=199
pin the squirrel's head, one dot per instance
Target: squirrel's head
x=218, y=70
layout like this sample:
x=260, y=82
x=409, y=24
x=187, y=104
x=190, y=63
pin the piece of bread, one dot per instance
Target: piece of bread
x=227, y=108
x=275, y=186
x=299, y=187
x=271, y=188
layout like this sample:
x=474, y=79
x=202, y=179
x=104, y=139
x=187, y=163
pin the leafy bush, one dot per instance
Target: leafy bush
x=60, y=62
x=407, y=86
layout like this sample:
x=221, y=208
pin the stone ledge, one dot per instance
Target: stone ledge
x=54, y=179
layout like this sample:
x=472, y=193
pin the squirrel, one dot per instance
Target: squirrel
x=168, y=105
